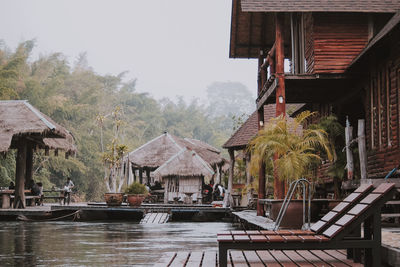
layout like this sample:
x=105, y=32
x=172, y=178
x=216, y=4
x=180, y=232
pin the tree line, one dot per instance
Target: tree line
x=75, y=96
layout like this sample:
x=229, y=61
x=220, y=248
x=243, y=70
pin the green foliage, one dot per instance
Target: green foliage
x=296, y=151
x=136, y=189
x=7, y=168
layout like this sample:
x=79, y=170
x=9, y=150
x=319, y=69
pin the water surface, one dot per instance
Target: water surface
x=101, y=244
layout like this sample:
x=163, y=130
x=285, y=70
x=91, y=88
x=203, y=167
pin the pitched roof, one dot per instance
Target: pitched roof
x=392, y=23
x=186, y=163
x=375, y=6
x=249, y=128
x=18, y=117
x=159, y=150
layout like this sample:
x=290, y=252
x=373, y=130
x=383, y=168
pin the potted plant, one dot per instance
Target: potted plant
x=136, y=193
x=294, y=153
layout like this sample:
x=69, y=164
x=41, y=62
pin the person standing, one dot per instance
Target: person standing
x=67, y=190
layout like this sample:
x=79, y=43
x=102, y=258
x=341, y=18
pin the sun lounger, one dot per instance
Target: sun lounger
x=334, y=232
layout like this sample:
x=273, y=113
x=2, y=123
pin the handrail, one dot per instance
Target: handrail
x=292, y=187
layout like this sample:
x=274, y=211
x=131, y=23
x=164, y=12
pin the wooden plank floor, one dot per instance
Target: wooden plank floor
x=273, y=258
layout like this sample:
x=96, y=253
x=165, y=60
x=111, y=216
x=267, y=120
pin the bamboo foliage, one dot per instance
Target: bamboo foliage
x=296, y=150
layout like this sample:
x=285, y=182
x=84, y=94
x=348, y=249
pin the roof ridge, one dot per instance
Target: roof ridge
x=205, y=164
x=148, y=142
x=172, y=139
x=40, y=116
x=170, y=159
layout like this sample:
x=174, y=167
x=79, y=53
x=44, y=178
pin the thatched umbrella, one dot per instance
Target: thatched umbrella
x=156, y=152
x=184, y=174
x=186, y=163
x=25, y=128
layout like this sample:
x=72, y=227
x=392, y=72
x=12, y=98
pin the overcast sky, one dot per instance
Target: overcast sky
x=172, y=47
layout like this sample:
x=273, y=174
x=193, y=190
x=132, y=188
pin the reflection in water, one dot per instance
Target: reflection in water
x=108, y=243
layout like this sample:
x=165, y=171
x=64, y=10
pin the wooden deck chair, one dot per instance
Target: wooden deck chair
x=336, y=234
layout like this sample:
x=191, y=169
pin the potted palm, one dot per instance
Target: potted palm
x=294, y=153
x=136, y=193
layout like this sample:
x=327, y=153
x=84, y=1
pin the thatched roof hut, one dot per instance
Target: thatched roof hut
x=18, y=118
x=186, y=163
x=156, y=152
x=25, y=128
x=183, y=175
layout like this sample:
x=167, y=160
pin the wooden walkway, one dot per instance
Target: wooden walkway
x=273, y=258
x=155, y=217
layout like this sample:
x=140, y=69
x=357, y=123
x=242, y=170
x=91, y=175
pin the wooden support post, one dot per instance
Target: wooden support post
x=261, y=72
x=248, y=179
x=228, y=201
x=261, y=172
x=148, y=176
x=362, y=150
x=130, y=173
x=141, y=175
x=134, y=175
x=29, y=162
x=20, y=174
x=279, y=186
x=349, y=154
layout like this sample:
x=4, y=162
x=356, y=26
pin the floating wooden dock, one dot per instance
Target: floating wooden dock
x=155, y=217
x=250, y=220
x=100, y=211
x=273, y=258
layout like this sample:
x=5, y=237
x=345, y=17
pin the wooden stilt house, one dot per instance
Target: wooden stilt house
x=26, y=129
x=312, y=52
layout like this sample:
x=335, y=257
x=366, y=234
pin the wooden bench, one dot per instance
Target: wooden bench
x=8, y=194
x=337, y=233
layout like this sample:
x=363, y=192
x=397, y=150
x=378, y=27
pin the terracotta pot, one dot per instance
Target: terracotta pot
x=293, y=218
x=114, y=199
x=135, y=200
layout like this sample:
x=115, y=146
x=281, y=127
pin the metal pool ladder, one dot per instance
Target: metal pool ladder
x=292, y=188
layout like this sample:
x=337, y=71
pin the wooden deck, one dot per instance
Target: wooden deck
x=273, y=258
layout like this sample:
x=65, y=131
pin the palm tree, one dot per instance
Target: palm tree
x=296, y=150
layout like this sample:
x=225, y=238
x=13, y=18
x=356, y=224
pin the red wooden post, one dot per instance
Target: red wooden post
x=279, y=186
x=261, y=172
x=260, y=114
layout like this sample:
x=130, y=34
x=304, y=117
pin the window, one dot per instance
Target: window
x=298, y=62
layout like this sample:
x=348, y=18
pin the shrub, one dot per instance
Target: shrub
x=136, y=188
